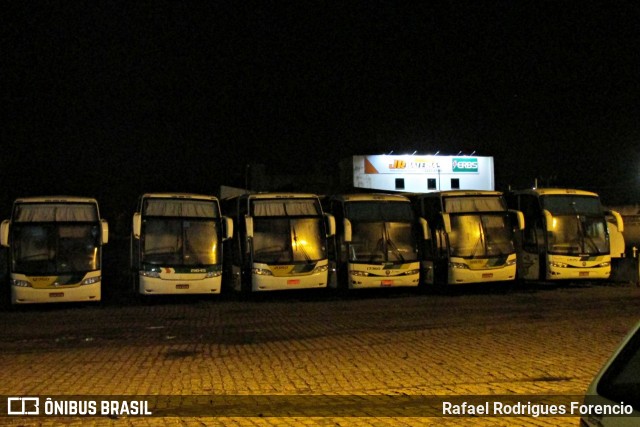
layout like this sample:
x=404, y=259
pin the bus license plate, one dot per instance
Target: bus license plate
x=487, y=275
x=293, y=282
x=584, y=273
x=56, y=294
x=387, y=283
x=182, y=286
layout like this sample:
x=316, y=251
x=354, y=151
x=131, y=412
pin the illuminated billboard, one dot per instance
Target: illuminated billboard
x=423, y=173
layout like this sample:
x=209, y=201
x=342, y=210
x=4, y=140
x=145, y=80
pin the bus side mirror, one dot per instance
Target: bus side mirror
x=548, y=219
x=248, y=221
x=619, y=221
x=228, y=228
x=4, y=232
x=137, y=225
x=424, y=226
x=446, y=219
x=331, y=224
x=347, y=230
x=517, y=217
x=105, y=231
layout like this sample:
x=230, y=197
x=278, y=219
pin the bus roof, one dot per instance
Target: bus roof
x=281, y=196
x=555, y=192
x=367, y=197
x=188, y=196
x=56, y=199
x=458, y=193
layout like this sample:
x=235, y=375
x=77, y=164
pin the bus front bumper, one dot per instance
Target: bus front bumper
x=79, y=293
x=200, y=285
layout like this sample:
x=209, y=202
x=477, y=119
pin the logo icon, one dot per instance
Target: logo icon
x=465, y=164
x=23, y=406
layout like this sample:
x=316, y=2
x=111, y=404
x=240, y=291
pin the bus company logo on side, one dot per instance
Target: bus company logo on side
x=465, y=164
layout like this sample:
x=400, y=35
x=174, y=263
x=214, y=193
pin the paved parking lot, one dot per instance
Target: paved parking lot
x=534, y=340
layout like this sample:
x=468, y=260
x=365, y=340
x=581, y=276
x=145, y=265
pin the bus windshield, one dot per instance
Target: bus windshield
x=55, y=248
x=381, y=232
x=382, y=242
x=480, y=236
x=285, y=240
x=578, y=225
x=578, y=234
x=176, y=241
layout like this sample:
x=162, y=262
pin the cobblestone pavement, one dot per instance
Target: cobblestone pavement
x=535, y=340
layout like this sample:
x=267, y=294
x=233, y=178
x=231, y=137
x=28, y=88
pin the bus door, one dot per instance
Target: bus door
x=530, y=242
x=531, y=259
x=435, y=261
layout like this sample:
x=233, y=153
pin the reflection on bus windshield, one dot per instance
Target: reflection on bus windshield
x=283, y=240
x=480, y=235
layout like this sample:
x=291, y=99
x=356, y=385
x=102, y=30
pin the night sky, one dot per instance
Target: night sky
x=111, y=100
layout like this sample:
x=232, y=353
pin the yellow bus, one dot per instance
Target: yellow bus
x=55, y=249
x=471, y=237
x=280, y=243
x=376, y=242
x=176, y=244
x=566, y=235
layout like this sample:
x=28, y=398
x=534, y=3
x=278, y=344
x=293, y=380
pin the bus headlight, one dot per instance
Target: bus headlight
x=511, y=261
x=460, y=265
x=359, y=273
x=21, y=283
x=411, y=272
x=261, y=272
x=604, y=264
x=321, y=268
x=215, y=273
x=154, y=274
x=91, y=280
x=558, y=264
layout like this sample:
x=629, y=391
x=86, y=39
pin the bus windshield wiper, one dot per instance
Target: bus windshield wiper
x=393, y=246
